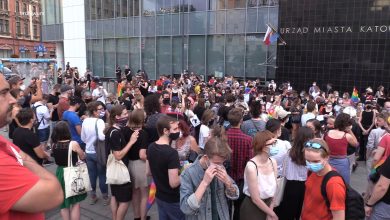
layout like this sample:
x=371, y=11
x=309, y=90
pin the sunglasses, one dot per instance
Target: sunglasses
x=314, y=146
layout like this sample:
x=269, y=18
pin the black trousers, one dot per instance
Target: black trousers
x=291, y=206
x=237, y=203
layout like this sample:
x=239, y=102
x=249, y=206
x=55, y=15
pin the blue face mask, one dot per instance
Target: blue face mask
x=314, y=167
x=273, y=151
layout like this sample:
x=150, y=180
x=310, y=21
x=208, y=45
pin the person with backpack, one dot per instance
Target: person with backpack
x=42, y=122
x=377, y=206
x=327, y=196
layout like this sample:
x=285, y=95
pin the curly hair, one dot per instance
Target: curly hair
x=152, y=104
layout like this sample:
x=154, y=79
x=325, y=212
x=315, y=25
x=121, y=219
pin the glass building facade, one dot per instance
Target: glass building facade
x=165, y=37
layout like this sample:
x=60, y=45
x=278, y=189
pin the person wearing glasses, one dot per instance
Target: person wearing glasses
x=314, y=205
x=91, y=130
x=260, y=180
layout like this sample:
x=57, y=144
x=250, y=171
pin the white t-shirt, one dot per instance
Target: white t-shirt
x=101, y=94
x=204, y=134
x=88, y=133
x=43, y=115
x=283, y=147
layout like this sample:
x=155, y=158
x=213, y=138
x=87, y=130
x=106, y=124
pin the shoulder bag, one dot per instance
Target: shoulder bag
x=100, y=148
x=76, y=178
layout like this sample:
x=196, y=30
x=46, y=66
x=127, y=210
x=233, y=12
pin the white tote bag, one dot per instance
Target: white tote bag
x=281, y=184
x=76, y=178
x=117, y=172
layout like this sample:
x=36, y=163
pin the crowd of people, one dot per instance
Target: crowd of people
x=217, y=149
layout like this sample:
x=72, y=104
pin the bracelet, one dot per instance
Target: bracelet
x=369, y=205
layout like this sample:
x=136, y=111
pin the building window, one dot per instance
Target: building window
x=26, y=29
x=35, y=30
x=6, y=26
x=17, y=9
x=5, y=53
x=18, y=28
x=25, y=8
x=34, y=10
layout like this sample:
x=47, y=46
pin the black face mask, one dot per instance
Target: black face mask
x=57, y=93
x=174, y=136
x=88, y=100
x=166, y=101
x=211, y=123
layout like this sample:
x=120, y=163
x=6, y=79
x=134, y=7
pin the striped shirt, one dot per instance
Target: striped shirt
x=294, y=171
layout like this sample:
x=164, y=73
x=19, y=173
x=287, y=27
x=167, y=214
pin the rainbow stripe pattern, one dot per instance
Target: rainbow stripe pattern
x=152, y=195
x=355, y=95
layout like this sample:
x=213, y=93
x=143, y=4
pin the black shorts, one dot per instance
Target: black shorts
x=122, y=193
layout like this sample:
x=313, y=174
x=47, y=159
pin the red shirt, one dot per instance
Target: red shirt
x=16, y=180
x=337, y=146
x=385, y=143
x=241, y=145
x=314, y=205
x=63, y=105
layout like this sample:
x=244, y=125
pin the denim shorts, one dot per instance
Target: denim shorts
x=44, y=134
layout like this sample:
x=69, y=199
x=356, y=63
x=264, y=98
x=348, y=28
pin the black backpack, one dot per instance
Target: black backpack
x=354, y=203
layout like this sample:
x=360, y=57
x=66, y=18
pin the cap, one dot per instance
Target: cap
x=281, y=113
x=65, y=88
x=15, y=79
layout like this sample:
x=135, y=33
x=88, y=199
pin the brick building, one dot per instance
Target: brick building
x=20, y=24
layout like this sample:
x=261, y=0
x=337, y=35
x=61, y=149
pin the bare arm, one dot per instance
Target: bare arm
x=38, y=96
x=46, y=194
x=76, y=148
x=352, y=139
x=174, y=178
x=40, y=152
x=378, y=155
x=338, y=215
x=78, y=129
x=380, y=190
x=194, y=146
x=142, y=154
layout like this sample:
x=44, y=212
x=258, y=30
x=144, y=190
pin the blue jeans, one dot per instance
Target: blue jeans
x=44, y=134
x=342, y=167
x=96, y=170
x=169, y=211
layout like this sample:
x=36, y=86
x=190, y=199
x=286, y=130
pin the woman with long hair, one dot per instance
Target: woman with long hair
x=62, y=141
x=316, y=126
x=296, y=174
x=137, y=162
x=121, y=194
x=205, y=185
x=260, y=180
x=204, y=131
x=152, y=107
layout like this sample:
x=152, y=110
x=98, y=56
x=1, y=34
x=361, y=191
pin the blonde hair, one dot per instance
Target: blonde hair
x=218, y=145
x=324, y=150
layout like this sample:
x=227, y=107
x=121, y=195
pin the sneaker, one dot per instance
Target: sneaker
x=106, y=200
x=93, y=200
x=46, y=163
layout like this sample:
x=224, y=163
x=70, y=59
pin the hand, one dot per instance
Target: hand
x=209, y=174
x=223, y=176
x=134, y=137
x=368, y=210
x=39, y=82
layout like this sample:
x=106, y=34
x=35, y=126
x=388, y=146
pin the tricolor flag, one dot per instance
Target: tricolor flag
x=355, y=95
x=271, y=36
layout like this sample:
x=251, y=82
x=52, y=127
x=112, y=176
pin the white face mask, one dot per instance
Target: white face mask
x=22, y=87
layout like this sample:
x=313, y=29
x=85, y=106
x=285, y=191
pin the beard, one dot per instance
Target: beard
x=8, y=117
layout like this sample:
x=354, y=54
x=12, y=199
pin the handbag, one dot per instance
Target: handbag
x=280, y=185
x=76, y=178
x=117, y=172
x=100, y=149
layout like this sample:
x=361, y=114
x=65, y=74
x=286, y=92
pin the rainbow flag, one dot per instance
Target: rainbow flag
x=152, y=195
x=355, y=95
x=119, y=90
x=271, y=113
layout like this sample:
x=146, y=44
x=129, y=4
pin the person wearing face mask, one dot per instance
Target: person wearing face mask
x=166, y=102
x=121, y=194
x=215, y=186
x=260, y=180
x=91, y=130
x=73, y=120
x=164, y=164
x=314, y=205
x=185, y=144
x=280, y=148
x=338, y=140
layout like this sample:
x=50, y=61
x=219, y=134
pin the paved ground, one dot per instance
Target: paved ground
x=100, y=212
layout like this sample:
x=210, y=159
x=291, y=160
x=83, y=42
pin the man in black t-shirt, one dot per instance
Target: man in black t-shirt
x=378, y=205
x=26, y=139
x=164, y=165
x=128, y=73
